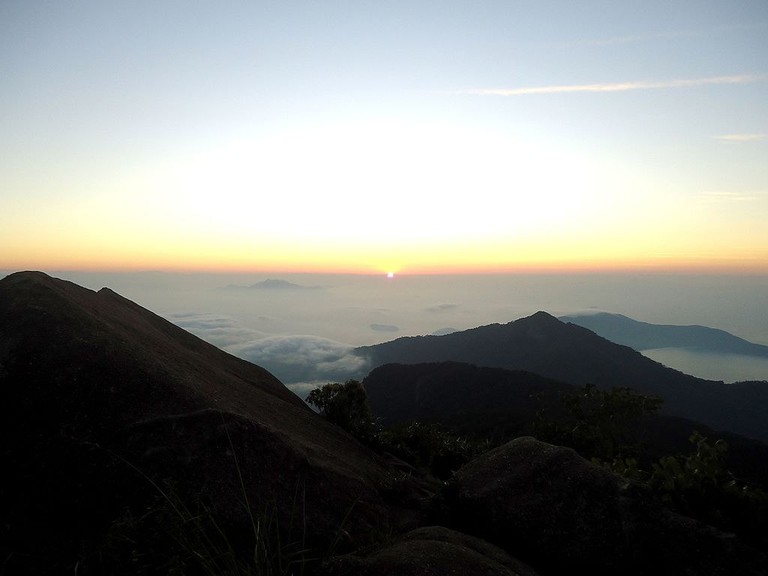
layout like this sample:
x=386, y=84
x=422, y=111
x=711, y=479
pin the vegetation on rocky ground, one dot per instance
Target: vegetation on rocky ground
x=602, y=426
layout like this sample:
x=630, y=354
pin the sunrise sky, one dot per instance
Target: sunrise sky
x=368, y=136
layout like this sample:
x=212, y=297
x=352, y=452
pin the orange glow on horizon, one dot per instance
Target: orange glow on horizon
x=563, y=253
x=290, y=264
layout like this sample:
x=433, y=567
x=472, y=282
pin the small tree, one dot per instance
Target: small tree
x=346, y=405
x=597, y=423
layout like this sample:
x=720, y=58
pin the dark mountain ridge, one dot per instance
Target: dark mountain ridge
x=502, y=404
x=645, y=336
x=399, y=393
x=544, y=345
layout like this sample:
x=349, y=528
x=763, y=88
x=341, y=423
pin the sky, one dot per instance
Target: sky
x=369, y=137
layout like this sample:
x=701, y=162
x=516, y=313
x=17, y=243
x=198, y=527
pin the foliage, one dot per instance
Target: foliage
x=427, y=446
x=683, y=478
x=597, y=423
x=345, y=405
x=179, y=531
x=700, y=485
x=430, y=446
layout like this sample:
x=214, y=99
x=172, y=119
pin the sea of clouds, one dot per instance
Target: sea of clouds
x=304, y=328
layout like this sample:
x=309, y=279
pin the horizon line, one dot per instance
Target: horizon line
x=679, y=268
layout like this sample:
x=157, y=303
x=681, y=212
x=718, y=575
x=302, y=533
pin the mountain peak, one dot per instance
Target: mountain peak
x=541, y=317
x=28, y=274
x=75, y=322
x=33, y=278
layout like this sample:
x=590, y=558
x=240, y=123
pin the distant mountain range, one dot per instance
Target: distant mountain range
x=644, y=336
x=568, y=353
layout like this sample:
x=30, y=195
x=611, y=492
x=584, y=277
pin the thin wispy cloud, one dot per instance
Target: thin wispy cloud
x=631, y=39
x=673, y=34
x=441, y=307
x=748, y=137
x=721, y=196
x=618, y=86
x=613, y=41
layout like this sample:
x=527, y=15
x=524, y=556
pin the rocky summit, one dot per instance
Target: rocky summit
x=108, y=409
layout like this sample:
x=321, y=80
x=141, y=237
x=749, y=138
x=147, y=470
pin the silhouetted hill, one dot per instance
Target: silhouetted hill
x=500, y=405
x=105, y=406
x=544, y=345
x=400, y=393
x=644, y=336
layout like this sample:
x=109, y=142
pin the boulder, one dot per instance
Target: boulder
x=429, y=551
x=558, y=512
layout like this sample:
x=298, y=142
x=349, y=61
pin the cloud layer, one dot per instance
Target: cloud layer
x=302, y=359
x=301, y=362
x=218, y=329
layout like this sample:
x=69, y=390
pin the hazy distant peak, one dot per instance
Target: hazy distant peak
x=276, y=284
x=593, y=314
x=271, y=284
x=645, y=336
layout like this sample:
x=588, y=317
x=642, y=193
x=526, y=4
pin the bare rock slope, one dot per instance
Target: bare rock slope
x=105, y=406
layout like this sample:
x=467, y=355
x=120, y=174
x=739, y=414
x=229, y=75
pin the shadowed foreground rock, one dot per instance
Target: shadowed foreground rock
x=549, y=507
x=430, y=551
x=108, y=411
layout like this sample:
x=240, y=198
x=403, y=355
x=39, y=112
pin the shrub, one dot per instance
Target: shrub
x=596, y=423
x=345, y=405
x=430, y=446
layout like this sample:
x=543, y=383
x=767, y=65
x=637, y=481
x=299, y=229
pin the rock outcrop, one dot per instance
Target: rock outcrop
x=549, y=507
x=429, y=551
x=104, y=407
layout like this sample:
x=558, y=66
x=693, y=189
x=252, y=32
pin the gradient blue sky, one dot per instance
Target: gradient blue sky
x=371, y=136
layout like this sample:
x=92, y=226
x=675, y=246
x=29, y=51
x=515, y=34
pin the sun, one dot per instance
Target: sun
x=390, y=275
